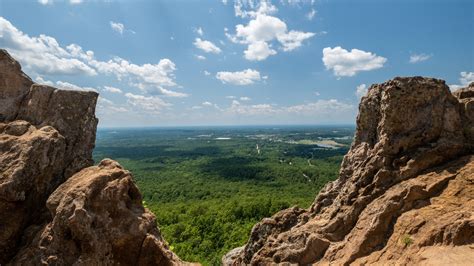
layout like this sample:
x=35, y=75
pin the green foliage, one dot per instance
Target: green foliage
x=208, y=193
x=407, y=240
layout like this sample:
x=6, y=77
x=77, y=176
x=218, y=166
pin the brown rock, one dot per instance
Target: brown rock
x=96, y=216
x=31, y=159
x=14, y=86
x=98, y=219
x=406, y=128
x=72, y=113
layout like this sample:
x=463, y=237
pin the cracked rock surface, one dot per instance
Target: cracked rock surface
x=405, y=188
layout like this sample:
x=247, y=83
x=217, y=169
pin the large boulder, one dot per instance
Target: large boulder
x=98, y=219
x=31, y=159
x=407, y=155
x=72, y=113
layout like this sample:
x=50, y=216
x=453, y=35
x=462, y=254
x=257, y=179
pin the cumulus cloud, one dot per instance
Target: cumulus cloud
x=347, y=64
x=112, y=89
x=416, y=58
x=42, y=54
x=258, y=51
x=207, y=73
x=361, y=90
x=63, y=85
x=318, y=109
x=206, y=46
x=171, y=93
x=262, y=30
x=147, y=104
x=245, y=98
x=151, y=78
x=465, y=79
x=241, y=78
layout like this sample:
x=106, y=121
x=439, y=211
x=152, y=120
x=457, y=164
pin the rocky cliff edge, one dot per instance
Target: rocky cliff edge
x=55, y=208
x=405, y=192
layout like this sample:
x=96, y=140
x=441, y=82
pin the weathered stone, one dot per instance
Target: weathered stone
x=14, y=86
x=406, y=128
x=96, y=216
x=31, y=160
x=72, y=113
x=98, y=219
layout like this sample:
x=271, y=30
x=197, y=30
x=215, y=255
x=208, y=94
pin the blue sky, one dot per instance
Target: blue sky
x=175, y=63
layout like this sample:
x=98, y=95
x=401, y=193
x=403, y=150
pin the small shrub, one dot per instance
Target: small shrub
x=407, y=240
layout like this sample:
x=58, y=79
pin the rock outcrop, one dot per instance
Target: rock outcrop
x=404, y=192
x=31, y=164
x=97, y=219
x=55, y=208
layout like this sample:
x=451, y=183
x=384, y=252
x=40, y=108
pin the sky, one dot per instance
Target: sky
x=190, y=63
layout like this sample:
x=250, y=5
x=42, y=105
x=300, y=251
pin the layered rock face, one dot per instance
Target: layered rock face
x=54, y=208
x=404, y=193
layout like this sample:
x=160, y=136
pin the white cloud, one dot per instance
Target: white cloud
x=171, y=93
x=147, y=77
x=63, y=85
x=49, y=2
x=245, y=98
x=224, y=2
x=107, y=107
x=230, y=97
x=245, y=77
x=320, y=107
x=42, y=54
x=199, y=31
x=207, y=104
x=347, y=64
x=207, y=73
x=69, y=86
x=416, y=58
x=465, y=79
x=200, y=57
x=361, y=90
x=117, y=27
x=258, y=51
x=263, y=7
x=293, y=39
x=310, y=15
x=112, y=89
x=262, y=30
x=147, y=104
x=206, y=46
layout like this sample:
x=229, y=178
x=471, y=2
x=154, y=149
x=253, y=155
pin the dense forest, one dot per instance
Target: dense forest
x=209, y=186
